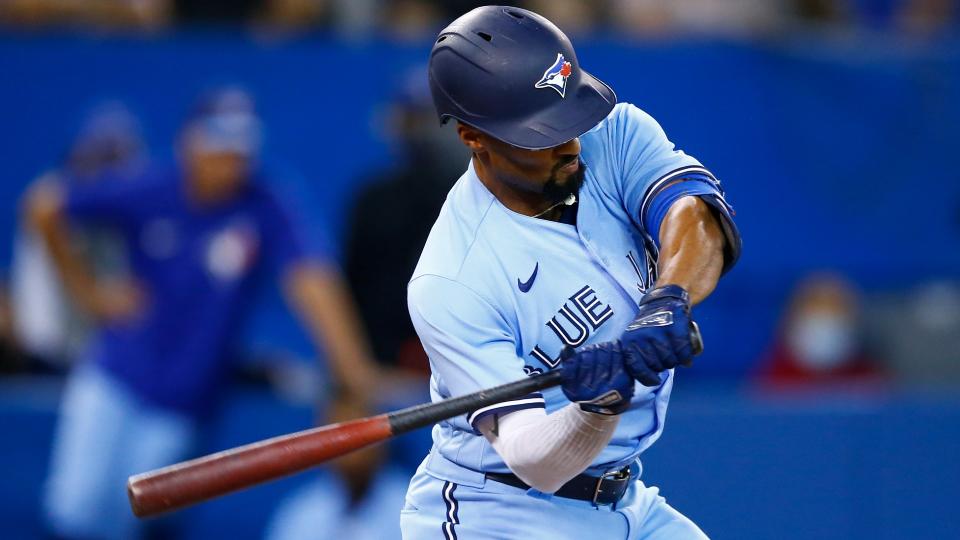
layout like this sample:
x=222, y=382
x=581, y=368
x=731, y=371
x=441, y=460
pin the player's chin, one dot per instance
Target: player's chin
x=571, y=181
x=558, y=190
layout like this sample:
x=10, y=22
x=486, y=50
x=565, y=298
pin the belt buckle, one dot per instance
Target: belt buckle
x=619, y=474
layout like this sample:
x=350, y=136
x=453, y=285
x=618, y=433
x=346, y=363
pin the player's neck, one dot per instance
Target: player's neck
x=518, y=200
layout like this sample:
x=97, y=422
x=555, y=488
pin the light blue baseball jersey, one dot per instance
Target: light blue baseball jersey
x=496, y=295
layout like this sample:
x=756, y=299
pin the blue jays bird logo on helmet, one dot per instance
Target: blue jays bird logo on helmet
x=556, y=75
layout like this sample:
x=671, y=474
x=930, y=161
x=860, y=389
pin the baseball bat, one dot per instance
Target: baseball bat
x=197, y=480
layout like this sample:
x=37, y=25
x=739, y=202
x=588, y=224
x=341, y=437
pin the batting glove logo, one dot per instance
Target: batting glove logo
x=660, y=318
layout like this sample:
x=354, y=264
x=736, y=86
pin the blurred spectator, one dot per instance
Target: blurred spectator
x=820, y=338
x=143, y=14
x=46, y=325
x=410, y=20
x=417, y=19
x=11, y=356
x=391, y=217
x=914, y=17
x=283, y=13
x=821, y=11
x=927, y=17
x=907, y=17
x=919, y=332
x=402, y=19
x=573, y=16
x=217, y=11
x=647, y=18
x=294, y=14
x=198, y=237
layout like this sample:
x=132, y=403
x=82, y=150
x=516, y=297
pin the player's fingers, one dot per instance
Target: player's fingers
x=631, y=359
x=569, y=366
x=669, y=356
x=602, y=367
x=620, y=376
x=680, y=329
x=588, y=367
x=648, y=378
x=680, y=343
x=656, y=354
x=638, y=369
x=684, y=352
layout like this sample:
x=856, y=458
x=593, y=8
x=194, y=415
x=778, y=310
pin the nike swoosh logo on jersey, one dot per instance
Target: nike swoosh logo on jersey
x=660, y=318
x=525, y=285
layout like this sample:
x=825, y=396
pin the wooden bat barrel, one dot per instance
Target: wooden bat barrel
x=204, y=478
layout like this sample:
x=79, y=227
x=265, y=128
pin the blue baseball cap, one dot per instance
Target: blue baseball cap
x=225, y=121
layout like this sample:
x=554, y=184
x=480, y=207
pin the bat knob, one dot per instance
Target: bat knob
x=696, y=341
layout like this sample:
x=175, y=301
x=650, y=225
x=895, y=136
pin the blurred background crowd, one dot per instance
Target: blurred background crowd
x=210, y=209
x=413, y=19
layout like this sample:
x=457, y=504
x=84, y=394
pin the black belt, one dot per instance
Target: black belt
x=600, y=490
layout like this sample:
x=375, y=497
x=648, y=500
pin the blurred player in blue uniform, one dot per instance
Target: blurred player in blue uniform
x=578, y=239
x=109, y=142
x=199, y=235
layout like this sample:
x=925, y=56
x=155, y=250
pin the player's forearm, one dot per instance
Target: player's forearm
x=45, y=214
x=320, y=297
x=691, y=248
x=547, y=451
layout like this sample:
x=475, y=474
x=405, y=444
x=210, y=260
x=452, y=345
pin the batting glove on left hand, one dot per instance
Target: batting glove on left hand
x=596, y=378
x=659, y=337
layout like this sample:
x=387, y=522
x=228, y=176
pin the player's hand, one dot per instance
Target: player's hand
x=115, y=300
x=357, y=469
x=659, y=337
x=596, y=378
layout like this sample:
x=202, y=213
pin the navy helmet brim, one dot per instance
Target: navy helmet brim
x=579, y=111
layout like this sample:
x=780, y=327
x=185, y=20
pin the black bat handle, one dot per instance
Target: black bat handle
x=696, y=341
x=430, y=413
x=426, y=414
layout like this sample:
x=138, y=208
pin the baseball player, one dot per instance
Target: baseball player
x=109, y=142
x=577, y=239
x=201, y=235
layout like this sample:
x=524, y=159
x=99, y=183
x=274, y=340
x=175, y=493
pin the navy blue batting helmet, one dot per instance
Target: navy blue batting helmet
x=514, y=75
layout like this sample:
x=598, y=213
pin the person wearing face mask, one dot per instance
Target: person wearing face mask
x=819, y=340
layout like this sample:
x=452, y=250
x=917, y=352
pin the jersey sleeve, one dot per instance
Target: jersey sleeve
x=470, y=344
x=651, y=174
x=288, y=239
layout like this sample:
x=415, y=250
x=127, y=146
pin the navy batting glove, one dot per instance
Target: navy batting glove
x=596, y=378
x=659, y=338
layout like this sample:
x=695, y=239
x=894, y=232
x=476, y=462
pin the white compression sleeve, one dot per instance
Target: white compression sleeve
x=547, y=450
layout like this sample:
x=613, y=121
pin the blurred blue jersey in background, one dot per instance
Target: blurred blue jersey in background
x=197, y=266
